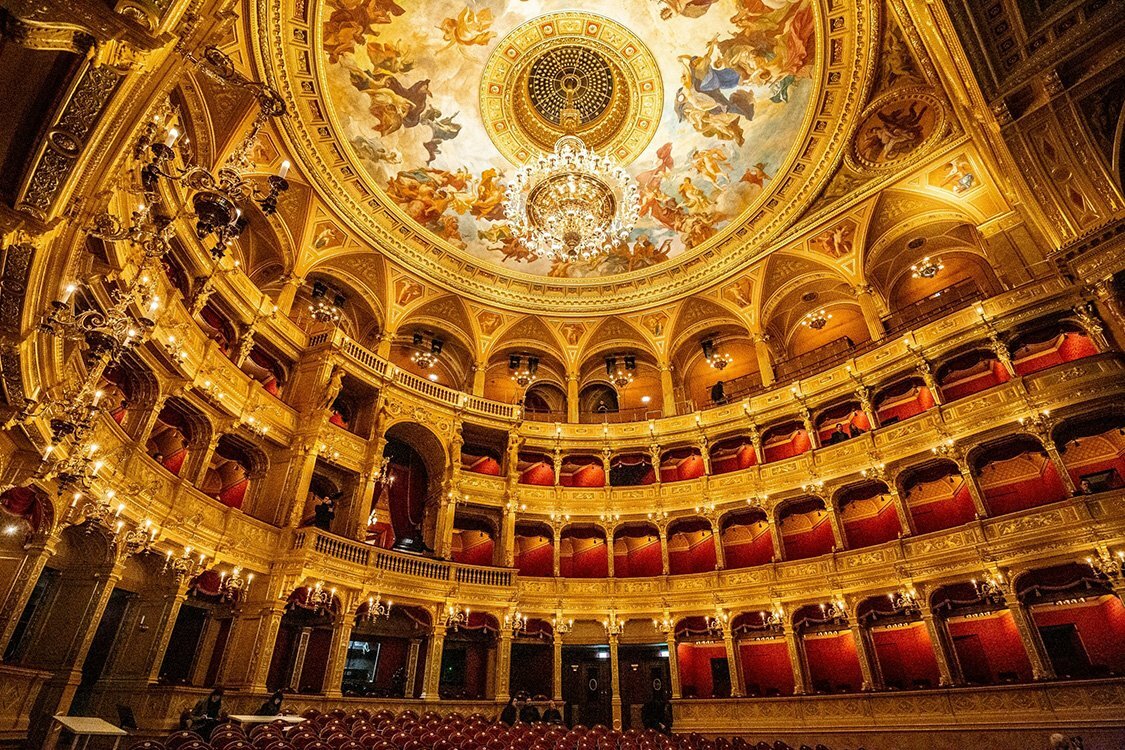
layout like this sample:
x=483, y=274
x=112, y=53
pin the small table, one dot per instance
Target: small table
x=89, y=726
x=255, y=719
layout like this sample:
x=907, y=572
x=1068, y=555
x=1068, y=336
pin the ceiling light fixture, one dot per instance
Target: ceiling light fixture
x=927, y=268
x=572, y=204
x=816, y=319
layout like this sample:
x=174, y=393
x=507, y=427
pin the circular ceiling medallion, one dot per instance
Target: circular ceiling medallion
x=598, y=65
x=896, y=127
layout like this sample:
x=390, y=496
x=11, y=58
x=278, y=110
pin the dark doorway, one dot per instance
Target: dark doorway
x=974, y=661
x=100, y=648
x=587, y=691
x=12, y=654
x=720, y=678
x=178, y=659
x=644, y=677
x=532, y=669
x=1064, y=647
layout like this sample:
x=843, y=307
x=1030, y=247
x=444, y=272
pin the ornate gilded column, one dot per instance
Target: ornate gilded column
x=837, y=527
x=615, y=681
x=175, y=598
x=864, y=649
x=555, y=550
x=1041, y=667
x=147, y=421
x=302, y=464
x=608, y=530
x=1109, y=307
x=557, y=461
x=504, y=666
x=667, y=390
x=37, y=552
x=717, y=540
x=385, y=341
x=556, y=665
x=948, y=668
x=606, y=455
x=734, y=664
x=288, y=294
x=774, y=525
x=433, y=664
x=765, y=358
x=665, y=563
x=705, y=454
x=674, y=665
x=1000, y=349
x=806, y=420
x=654, y=457
x=571, y=397
x=974, y=488
x=508, y=533
x=443, y=533
x=412, y=668
x=926, y=370
x=480, y=368
x=796, y=658
x=338, y=652
x=865, y=297
x=268, y=623
x=904, y=519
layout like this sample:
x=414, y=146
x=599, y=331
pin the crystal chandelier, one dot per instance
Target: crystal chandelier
x=139, y=539
x=816, y=319
x=718, y=360
x=561, y=626
x=718, y=623
x=1106, y=565
x=926, y=268
x=426, y=358
x=572, y=204
x=905, y=601
x=989, y=589
x=523, y=373
x=773, y=620
x=834, y=611
x=322, y=309
x=515, y=622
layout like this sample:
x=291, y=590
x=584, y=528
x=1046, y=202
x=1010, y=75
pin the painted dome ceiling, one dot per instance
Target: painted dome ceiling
x=725, y=112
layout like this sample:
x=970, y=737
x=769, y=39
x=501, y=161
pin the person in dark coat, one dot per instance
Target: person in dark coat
x=529, y=714
x=272, y=706
x=208, y=712
x=551, y=715
x=325, y=512
x=718, y=394
x=510, y=713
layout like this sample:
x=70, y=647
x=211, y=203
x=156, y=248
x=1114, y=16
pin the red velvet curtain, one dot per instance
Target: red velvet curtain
x=810, y=543
x=953, y=511
x=989, y=646
x=725, y=460
x=796, y=444
x=758, y=551
x=641, y=561
x=1100, y=625
x=1066, y=347
x=694, y=661
x=958, y=385
x=1023, y=493
x=540, y=473
x=698, y=557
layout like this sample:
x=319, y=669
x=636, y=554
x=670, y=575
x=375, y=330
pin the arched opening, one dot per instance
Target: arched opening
x=764, y=655
x=474, y=540
x=583, y=552
x=985, y=639
x=177, y=429
x=937, y=496
x=806, y=530
x=1050, y=343
x=267, y=367
x=901, y=400
x=580, y=470
x=466, y=658
x=969, y=373
x=868, y=515
x=841, y=422
x=532, y=660
x=25, y=509
x=545, y=402
x=233, y=465
x=900, y=644
x=536, y=469
x=702, y=660
x=733, y=454
x=829, y=649
x=636, y=551
x=1093, y=450
x=631, y=470
x=785, y=441
x=746, y=539
x=304, y=640
x=379, y=651
x=596, y=401
x=1016, y=474
x=200, y=634
x=681, y=464
x=414, y=478
x=535, y=549
x=1080, y=620
x=691, y=546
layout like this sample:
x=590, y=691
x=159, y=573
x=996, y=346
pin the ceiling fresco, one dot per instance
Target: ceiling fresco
x=406, y=83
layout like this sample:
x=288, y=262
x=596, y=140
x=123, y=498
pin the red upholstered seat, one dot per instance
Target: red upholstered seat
x=179, y=739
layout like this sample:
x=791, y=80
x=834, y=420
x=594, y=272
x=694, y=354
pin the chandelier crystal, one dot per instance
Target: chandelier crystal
x=572, y=204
